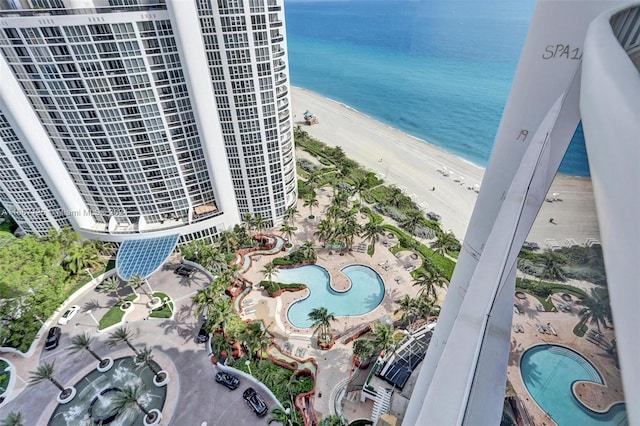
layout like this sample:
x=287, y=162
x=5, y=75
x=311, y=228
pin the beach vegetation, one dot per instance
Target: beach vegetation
x=578, y=262
x=595, y=307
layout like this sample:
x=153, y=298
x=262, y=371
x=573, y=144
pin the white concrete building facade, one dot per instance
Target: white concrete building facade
x=144, y=118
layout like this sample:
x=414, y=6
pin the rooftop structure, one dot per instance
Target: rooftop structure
x=144, y=118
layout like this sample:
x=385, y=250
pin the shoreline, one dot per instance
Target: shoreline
x=416, y=166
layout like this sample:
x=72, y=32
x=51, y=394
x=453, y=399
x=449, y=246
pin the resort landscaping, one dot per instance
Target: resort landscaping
x=320, y=352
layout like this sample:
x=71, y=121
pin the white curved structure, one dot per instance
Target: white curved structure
x=560, y=78
x=144, y=118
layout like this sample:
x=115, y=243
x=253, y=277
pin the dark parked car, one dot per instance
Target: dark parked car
x=184, y=271
x=433, y=216
x=203, y=335
x=53, y=338
x=255, y=401
x=232, y=382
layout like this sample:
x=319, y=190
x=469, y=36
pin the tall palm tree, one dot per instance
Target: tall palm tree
x=14, y=418
x=145, y=357
x=136, y=282
x=408, y=306
x=290, y=214
x=249, y=221
x=311, y=201
x=83, y=342
x=371, y=231
x=127, y=403
x=360, y=186
x=322, y=320
x=396, y=197
x=324, y=231
x=110, y=285
x=410, y=222
x=426, y=307
x=45, y=371
x=255, y=337
x=121, y=335
x=81, y=255
x=269, y=271
x=552, y=268
x=445, y=242
x=596, y=310
x=429, y=279
x=288, y=230
x=383, y=336
x=260, y=224
x=205, y=298
x=228, y=241
x=308, y=250
x=223, y=309
x=362, y=350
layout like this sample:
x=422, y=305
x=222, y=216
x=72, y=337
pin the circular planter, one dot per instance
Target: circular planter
x=127, y=306
x=154, y=303
x=520, y=295
x=66, y=395
x=105, y=365
x=161, y=379
x=153, y=418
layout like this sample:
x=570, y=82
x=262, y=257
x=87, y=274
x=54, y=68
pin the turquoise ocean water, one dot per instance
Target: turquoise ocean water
x=440, y=70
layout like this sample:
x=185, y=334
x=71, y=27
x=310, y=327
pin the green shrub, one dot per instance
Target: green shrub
x=294, y=258
x=273, y=286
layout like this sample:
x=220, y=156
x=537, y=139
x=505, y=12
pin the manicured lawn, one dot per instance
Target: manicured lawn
x=165, y=310
x=114, y=315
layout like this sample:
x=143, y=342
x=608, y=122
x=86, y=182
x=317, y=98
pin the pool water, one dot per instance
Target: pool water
x=549, y=371
x=365, y=294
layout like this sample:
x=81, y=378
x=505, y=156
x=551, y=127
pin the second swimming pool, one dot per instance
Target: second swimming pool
x=365, y=294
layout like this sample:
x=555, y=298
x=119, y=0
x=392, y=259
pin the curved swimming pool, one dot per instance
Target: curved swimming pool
x=365, y=294
x=549, y=371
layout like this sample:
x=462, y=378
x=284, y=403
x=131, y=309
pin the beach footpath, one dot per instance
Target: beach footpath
x=437, y=180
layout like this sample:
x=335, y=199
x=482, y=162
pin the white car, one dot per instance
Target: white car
x=71, y=312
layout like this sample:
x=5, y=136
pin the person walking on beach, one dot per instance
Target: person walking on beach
x=551, y=221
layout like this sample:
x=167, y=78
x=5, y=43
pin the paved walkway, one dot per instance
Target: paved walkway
x=193, y=397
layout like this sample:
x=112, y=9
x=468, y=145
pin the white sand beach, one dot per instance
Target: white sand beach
x=415, y=167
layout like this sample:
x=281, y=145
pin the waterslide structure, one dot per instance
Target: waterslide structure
x=580, y=61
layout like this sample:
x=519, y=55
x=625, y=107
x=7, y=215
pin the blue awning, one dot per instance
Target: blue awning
x=144, y=256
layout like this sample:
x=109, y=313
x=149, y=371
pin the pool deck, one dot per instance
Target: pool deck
x=596, y=397
x=334, y=364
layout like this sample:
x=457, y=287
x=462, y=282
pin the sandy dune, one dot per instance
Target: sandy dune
x=416, y=167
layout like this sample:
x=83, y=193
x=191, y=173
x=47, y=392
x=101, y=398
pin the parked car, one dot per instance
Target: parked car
x=53, y=338
x=228, y=380
x=203, y=335
x=255, y=401
x=70, y=313
x=433, y=216
x=184, y=271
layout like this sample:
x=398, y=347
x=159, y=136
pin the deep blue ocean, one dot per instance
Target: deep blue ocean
x=440, y=70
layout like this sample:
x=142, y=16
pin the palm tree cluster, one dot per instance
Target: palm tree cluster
x=322, y=320
x=596, y=309
x=340, y=225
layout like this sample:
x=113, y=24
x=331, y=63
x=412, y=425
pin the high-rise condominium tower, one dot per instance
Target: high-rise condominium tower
x=129, y=117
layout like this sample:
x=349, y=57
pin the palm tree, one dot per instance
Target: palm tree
x=136, y=281
x=407, y=305
x=311, y=201
x=288, y=230
x=260, y=224
x=14, y=418
x=249, y=221
x=45, y=371
x=429, y=278
x=383, y=336
x=596, y=309
x=322, y=319
x=223, y=309
x=219, y=344
x=410, y=222
x=80, y=256
x=324, y=231
x=308, y=250
x=552, y=268
x=227, y=241
x=110, y=285
x=83, y=341
x=360, y=186
x=371, y=231
x=362, y=350
x=205, y=298
x=290, y=214
x=145, y=357
x=255, y=337
x=269, y=271
x=426, y=307
x=445, y=242
x=396, y=196
x=121, y=335
x=127, y=403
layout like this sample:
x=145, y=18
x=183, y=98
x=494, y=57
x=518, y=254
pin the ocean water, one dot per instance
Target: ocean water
x=440, y=70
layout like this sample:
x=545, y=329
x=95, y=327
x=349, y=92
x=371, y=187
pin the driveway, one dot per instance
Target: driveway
x=193, y=396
